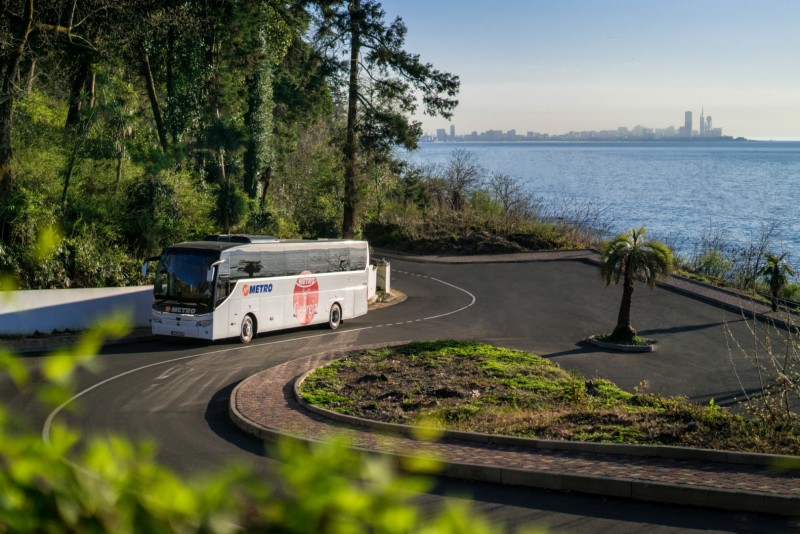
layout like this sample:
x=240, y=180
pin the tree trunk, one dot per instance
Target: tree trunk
x=153, y=96
x=7, y=90
x=90, y=88
x=80, y=81
x=118, y=174
x=624, y=330
x=265, y=180
x=30, y=76
x=251, y=159
x=73, y=158
x=171, y=84
x=775, y=286
x=351, y=141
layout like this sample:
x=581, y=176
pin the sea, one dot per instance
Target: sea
x=683, y=192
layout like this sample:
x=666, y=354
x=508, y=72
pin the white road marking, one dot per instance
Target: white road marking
x=50, y=418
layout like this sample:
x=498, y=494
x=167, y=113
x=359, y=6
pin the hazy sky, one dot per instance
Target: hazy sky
x=553, y=66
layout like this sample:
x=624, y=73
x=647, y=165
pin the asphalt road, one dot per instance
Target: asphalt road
x=175, y=392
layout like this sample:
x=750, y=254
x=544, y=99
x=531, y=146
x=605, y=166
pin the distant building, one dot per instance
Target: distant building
x=687, y=124
x=452, y=132
x=441, y=134
x=702, y=123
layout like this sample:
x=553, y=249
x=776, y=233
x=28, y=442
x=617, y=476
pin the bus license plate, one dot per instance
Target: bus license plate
x=176, y=333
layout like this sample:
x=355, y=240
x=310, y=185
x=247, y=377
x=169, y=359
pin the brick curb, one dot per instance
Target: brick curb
x=265, y=405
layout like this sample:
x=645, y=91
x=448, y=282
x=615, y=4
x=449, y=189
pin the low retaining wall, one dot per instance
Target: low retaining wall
x=46, y=310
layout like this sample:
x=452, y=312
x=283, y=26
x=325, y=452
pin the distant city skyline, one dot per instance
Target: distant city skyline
x=553, y=66
x=705, y=129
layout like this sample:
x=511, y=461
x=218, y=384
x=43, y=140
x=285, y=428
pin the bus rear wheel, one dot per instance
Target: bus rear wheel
x=335, y=316
x=248, y=331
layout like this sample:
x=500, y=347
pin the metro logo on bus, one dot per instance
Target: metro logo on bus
x=247, y=289
x=306, y=298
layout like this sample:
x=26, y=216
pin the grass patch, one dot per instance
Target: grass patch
x=489, y=389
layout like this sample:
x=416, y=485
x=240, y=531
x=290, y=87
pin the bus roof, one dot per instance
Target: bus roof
x=241, y=238
x=224, y=242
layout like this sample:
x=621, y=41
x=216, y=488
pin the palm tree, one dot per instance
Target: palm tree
x=777, y=273
x=628, y=256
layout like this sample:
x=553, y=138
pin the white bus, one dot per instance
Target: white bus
x=239, y=285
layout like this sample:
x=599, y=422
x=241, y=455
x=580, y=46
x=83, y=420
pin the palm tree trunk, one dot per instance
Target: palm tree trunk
x=624, y=330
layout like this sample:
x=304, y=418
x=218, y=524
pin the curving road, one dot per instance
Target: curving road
x=176, y=392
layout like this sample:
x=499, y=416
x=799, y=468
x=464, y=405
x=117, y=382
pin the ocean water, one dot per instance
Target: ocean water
x=679, y=190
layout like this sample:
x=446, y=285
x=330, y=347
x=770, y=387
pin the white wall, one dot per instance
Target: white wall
x=372, y=284
x=46, y=310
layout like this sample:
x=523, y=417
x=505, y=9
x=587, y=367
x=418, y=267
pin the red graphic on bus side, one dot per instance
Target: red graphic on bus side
x=306, y=297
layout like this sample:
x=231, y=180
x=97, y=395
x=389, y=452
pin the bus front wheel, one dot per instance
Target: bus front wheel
x=335, y=317
x=248, y=331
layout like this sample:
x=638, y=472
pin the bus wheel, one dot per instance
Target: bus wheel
x=335, y=317
x=248, y=329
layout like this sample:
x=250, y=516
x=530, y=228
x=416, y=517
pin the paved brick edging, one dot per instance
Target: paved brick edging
x=265, y=405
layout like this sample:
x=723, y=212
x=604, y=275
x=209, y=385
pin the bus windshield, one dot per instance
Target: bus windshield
x=181, y=278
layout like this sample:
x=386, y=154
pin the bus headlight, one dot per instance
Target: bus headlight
x=203, y=323
x=156, y=320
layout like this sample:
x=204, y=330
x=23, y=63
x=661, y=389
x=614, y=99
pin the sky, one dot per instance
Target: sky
x=554, y=66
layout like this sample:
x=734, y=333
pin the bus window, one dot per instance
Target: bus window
x=318, y=261
x=358, y=259
x=296, y=261
x=245, y=264
x=273, y=262
x=338, y=259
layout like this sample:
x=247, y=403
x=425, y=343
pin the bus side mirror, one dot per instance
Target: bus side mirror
x=211, y=270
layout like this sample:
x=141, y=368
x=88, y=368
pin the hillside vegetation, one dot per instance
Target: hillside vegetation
x=130, y=125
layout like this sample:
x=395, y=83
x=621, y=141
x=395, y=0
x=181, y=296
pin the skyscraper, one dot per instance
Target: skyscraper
x=452, y=132
x=702, y=123
x=687, y=124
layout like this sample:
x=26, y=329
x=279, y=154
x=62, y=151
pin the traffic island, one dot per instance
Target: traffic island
x=641, y=345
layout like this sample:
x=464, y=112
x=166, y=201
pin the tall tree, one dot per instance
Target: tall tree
x=270, y=44
x=383, y=82
x=628, y=256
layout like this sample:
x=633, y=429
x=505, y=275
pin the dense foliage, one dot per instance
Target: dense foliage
x=127, y=125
